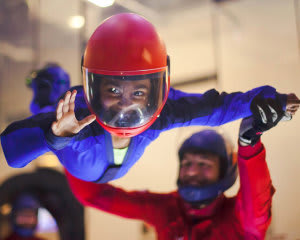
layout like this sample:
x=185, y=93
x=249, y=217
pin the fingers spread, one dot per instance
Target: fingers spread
x=59, y=109
x=86, y=121
x=66, y=102
x=72, y=100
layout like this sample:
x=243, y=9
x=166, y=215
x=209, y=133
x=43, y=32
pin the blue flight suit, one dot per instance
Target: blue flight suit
x=89, y=154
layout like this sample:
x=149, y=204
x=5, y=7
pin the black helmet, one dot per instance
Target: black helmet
x=47, y=84
x=213, y=142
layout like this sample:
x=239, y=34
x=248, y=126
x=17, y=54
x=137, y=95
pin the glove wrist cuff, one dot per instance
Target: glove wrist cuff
x=251, y=137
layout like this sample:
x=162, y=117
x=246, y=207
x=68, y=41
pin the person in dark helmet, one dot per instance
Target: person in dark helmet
x=217, y=167
x=199, y=209
x=47, y=84
x=24, y=218
x=126, y=89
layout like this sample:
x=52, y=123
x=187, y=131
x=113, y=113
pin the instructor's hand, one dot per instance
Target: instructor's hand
x=266, y=115
x=66, y=124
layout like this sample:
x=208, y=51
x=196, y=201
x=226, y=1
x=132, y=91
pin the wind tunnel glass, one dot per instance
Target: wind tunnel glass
x=125, y=101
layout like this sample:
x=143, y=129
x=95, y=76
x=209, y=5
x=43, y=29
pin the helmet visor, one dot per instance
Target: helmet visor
x=125, y=101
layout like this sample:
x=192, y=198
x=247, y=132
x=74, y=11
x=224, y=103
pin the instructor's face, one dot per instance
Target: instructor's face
x=199, y=169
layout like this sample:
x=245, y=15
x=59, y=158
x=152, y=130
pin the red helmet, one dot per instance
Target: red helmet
x=126, y=74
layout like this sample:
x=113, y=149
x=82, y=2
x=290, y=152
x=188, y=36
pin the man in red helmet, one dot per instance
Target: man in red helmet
x=126, y=87
x=199, y=209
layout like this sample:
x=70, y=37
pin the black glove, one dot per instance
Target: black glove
x=266, y=114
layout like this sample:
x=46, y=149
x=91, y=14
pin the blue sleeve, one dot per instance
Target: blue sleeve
x=211, y=108
x=24, y=140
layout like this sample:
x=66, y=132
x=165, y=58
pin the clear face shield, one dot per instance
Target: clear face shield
x=125, y=101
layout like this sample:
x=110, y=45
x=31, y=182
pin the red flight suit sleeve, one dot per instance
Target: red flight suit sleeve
x=140, y=205
x=256, y=190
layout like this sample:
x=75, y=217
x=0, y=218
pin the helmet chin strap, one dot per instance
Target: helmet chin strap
x=199, y=195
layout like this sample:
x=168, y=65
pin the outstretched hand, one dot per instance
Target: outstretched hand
x=266, y=115
x=292, y=104
x=66, y=123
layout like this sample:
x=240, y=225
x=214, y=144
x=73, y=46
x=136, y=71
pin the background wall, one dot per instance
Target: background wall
x=247, y=43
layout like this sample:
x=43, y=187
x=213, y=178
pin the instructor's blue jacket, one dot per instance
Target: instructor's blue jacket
x=89, y=154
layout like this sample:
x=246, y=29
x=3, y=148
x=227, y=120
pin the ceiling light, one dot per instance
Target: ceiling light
x=102, y=3
x=5, y=209
x=76, y=22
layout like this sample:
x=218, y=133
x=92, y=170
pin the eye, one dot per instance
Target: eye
x=204, y=165
x=185, y=164
x=114, y=90
x=139, y=93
